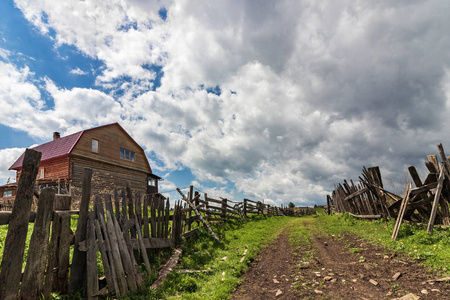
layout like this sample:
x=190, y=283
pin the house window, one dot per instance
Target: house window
x=7, y=193
x=94, y=146
x=41, y=173
x=125, y=154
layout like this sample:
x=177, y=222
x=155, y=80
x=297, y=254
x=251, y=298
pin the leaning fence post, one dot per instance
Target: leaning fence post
x=199, y=215
x=11, y=267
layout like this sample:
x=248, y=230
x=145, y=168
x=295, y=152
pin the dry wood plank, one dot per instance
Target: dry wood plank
x=434, y=161
x=126, y=254
x=401, y=212
x=108, y=203
x=153, y=216
x=33, y=278
x=161, y=217
x=423, y=188
x=444, y=202
x=13, y=251
x=184, y=271
x=145, y=221
x=117, y=203
x=6, y=215
x=102, y=244
x=216, y=201
x=142, y=247
x=53, y=252
x=131, y=214
x=366, y=216
x=199, y=215
x=437, y=195
x=415, y=176
x=78, y=269
x=167, y=268
x=166, y=219
x=91, y=259
x=64, y=254
x=243, y=255
x=116, y=260
x=138, y=207
x=105, y=261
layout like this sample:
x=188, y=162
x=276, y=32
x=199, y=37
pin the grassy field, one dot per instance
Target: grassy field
x=222, y=259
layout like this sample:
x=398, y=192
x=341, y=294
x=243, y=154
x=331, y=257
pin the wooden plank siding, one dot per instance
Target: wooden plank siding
x=110, y=140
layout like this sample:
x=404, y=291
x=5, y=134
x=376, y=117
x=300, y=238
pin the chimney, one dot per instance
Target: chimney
x=56, y=135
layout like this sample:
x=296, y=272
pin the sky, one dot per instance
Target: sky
x=274, y=100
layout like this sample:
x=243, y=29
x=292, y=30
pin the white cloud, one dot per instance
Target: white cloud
x=311, y=91
x=78, y=71
x=7, y=157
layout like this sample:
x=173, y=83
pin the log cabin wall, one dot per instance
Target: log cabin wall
x=55, y=169
x=105, y=177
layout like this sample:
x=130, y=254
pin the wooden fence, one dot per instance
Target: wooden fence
x=122, y=228
x=427, y=202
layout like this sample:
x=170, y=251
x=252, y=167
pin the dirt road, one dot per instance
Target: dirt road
x=341, y=267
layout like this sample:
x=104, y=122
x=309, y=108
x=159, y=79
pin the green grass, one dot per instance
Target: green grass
x=432, y=250
x=202, y=252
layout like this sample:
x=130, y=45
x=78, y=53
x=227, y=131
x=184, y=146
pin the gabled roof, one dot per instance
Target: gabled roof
x=57, y=148
x=64, y=146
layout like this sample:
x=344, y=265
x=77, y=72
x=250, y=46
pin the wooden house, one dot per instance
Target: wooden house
x=7, y=195
x=108, y=150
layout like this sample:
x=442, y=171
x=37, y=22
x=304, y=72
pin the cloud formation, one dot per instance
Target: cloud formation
x=283, y=99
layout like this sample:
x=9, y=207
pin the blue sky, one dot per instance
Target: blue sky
x=274, y=100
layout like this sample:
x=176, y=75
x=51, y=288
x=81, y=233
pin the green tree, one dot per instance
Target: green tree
x=291, y=205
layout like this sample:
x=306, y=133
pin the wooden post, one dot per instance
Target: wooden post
x=78, y=269
x=245, y=208
x=190, y=196
x=11, y=270
x=33, y=278
x=401, y=213
x=328, y=204
x=224, y=209
x=436, y=202
x=91, y=258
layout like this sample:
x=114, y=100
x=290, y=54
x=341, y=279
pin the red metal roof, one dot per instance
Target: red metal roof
x=53, y=149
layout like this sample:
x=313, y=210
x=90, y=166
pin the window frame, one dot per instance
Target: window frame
x=6, y=194
x=94, y=145
x=127, y=154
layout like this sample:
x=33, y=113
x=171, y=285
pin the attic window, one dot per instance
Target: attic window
x=41, y=173
x=125, y=154
x=94, y=146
